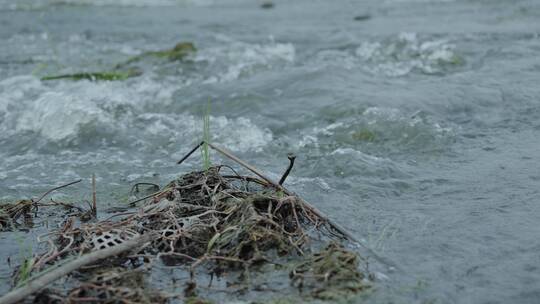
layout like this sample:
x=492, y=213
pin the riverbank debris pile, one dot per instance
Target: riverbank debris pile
x=209, y=224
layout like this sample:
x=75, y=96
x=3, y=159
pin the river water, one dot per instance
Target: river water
x=416, y=126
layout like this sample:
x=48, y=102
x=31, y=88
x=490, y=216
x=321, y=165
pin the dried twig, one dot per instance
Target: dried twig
x=94, y=203
x=135, y=188
x=190, y=152
x=41, y=282
x=56, y=188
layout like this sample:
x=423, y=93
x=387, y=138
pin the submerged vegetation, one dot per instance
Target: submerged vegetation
x=179, y=52
x=209, y=224
x=27, y=262
x=363, y=135
x=98, y=76
x=331, y=273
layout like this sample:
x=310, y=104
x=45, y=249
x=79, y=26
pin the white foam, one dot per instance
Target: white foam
x=318, y=181
x=238, y=134
x=58, y=112
x=406, y=53
x=62, y=111
x=308, y=140
x=233, y=59
x=59, y=116
x=360, y=155
x=390, y=114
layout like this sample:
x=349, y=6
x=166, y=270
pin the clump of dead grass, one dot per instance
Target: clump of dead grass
x=210, y=221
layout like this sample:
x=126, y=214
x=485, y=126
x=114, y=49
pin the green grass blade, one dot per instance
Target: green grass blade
x=206, y=138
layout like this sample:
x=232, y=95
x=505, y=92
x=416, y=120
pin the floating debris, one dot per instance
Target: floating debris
x=267, y=5
x=208, y=223
x=331, y=274
x=116, y=285
x=97, y=76
x=22, y=213
x=364, y=135
x=364, y=17
x=179, y=52
x=12, y=213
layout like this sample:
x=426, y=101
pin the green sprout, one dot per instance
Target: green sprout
x=206, y=138
x=27, y=262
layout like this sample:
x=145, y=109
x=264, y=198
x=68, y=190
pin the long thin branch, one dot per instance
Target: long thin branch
x=56, y=188
x=94, y=201
x=41, y=282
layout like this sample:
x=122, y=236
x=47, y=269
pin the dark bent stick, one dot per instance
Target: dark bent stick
x=190, y=152
x=144, y=198
x=94, y=200
x=56, y=188
x=291, y=158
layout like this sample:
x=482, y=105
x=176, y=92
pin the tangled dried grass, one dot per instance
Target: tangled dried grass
x=330, y=274
x=11, y=214
x=202, y=216
x=224, y=221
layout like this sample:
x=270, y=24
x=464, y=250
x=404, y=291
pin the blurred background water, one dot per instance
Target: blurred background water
x=416, y=122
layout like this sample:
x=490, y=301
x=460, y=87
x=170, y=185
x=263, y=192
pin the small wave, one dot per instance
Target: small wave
x=136, y=3
x=381, y=131
x=60, y=112
x=341, y=58
x=302, y=182
x=238, y=134
x=419, y=1
x=370, y=159
x=234, y=59
x=345, y=162
x=407, y=53
x=59, y=117
x=117, y=113
x=43, y=4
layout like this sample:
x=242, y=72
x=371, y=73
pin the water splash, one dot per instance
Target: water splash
x=382, y=131
x=115, y=113
x=408, y=53
x=232, y=59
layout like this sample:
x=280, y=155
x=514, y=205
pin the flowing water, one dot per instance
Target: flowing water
x=416, y=122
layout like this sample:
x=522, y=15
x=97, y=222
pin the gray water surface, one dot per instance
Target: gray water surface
x=417, y=127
